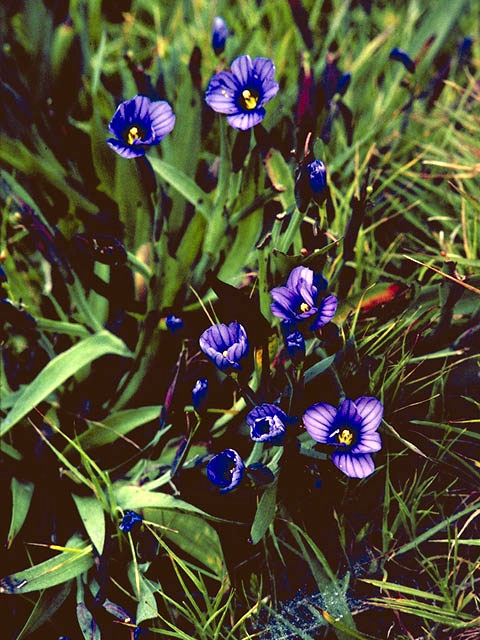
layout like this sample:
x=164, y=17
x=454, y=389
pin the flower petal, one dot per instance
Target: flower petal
x=125, y=150
x=134, y=111
x=298, y=277
x=319, y=420
x=244, y=121
x=359, y=466
x=369, y=442
x=326, y=311
x=347, y=413
x=263, y=69
x=222, y=93
x=371, y=412
x=162, y=119
x=242, y=69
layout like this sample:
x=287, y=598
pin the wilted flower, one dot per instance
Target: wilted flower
x=295, y=343
x=352, y=428
x=299, y=299
x=241, y=92
x=267, y=423
x=130, y=518
x=199, y=393
x=174, y=323
x=139, y=123
x=226, y=470
x=225, y=344
x=220, y=34
x=402, y=56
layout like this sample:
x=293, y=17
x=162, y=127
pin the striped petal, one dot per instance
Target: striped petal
x=352, y=466
x=319, y=420
x=371, y=413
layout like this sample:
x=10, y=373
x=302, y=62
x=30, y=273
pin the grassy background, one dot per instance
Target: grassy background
x=393, y=556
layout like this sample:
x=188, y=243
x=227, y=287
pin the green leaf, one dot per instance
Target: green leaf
x=21, y=497
x=60, y=369
x=93, y=518
x=318, y=368
x=49, y=601
x=191, y=534
x=134, y=203
x=281, y=178
x=117, y=425
x=64, y=566
x=129, y=496
x=87, y=624
x=147, y=605
x=184, y=185
x=265, y=514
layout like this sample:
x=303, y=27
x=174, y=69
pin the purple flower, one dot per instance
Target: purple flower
x=199, y=393
x=220, y=34
x=130, y=518
x=402, y=56
x=317, y=175
x=241, y=92
x=352, y=428
x=299, y=299
x=225, y=344
x=139, y=123
x=226, y=470
x=267, y=423
x=295, y=344
x=173, y=323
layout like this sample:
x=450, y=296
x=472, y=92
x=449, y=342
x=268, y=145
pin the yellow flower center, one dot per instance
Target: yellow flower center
x=225, y=353
x=304, y=307
x=345, y=436
x=250, y=99
x=133, y=134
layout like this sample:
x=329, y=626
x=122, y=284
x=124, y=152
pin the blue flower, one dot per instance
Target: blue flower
x=267, y=423
x=174, y=323
x=226, y=470
x=220, y=34
x=130, y=518
x=317, y=176
x=225, y=344
x=138, y=124
x=299, y=299
x=295, y=343
x=199, y=393
x=402, y=56
x=352, y=428
x=241, y=92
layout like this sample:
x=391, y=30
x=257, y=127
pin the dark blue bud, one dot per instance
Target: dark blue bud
x=130, y=518
x=295, y=344
x=220, y=34
x=174, y=323
x=199, y=393
x=136, y=632
x=317, y=174
x=3, y=276
x=343, y=82
x=465, y=50
x=403, y=57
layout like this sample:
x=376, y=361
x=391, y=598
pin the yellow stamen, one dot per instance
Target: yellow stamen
x=133, y=134
x=249, y=99
x=225, y=354
x=304, y=307
x=345, y=437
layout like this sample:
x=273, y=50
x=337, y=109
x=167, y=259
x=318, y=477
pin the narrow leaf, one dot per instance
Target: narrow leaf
x=60, y=369
x=265, y=514
x=93, y=518
x=21, y=497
